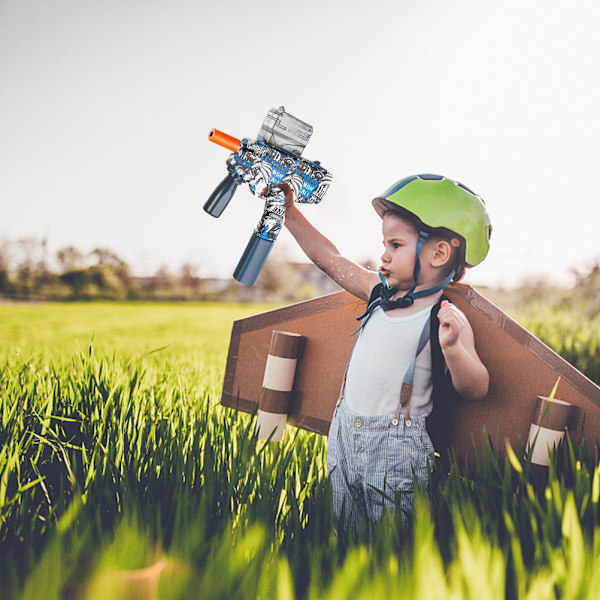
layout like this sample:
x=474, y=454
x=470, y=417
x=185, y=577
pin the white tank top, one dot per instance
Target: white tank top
x=383, y=353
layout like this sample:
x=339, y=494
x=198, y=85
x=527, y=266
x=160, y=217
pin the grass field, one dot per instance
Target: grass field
x=121, y=475
x=56, y=330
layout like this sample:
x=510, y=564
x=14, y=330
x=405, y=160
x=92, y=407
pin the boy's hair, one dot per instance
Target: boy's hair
x=457, y=243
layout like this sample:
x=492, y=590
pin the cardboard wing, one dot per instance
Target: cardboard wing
x=521, y=368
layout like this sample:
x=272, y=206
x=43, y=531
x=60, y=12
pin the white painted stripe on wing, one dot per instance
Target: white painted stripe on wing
x=267, y=422
x=279, y=373
x=546, y=439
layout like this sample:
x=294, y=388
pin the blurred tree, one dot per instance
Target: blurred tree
x=31, y=268
x=107, y=282
x=6, y=288
x=112, y=274
x=164, y=281
x=277, y=279
x=43, y=275
x=69, y=259
x=587, y=288
x=108, y=258
x=77, y=280
x=189, y=276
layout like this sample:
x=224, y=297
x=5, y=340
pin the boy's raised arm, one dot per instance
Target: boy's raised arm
x=322, y=252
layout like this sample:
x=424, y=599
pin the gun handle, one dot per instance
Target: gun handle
x=252, y=260
x=220, y=198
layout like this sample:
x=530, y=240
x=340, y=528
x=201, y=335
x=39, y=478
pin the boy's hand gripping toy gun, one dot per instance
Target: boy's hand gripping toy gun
x=271, y=159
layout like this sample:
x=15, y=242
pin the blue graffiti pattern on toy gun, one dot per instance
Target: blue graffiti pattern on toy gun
x=263, y=167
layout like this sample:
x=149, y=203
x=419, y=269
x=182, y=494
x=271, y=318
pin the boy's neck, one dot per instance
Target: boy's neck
x=417, y=306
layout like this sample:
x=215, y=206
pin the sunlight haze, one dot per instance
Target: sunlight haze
x=106, y=109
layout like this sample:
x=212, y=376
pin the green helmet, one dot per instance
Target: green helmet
x=438, y=201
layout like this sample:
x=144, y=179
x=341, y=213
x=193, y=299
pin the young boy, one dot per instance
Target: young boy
x=378, y=444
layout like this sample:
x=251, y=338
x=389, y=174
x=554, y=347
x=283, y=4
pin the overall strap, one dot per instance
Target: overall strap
x=407, y=384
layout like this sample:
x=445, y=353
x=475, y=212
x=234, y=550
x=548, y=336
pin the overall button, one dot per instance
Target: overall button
x=395, y=422
x=408, y=423
x=357, y=423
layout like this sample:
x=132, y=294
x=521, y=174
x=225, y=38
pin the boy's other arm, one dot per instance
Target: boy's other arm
x=470, y=378
x=322, y=252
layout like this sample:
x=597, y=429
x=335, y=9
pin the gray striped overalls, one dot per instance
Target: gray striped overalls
x=374, y=461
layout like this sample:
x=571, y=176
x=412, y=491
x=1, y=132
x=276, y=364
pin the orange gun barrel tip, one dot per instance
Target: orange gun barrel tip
x=225, y=140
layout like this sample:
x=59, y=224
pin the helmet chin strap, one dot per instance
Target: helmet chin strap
x=408, y=299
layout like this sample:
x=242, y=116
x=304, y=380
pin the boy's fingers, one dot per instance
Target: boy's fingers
x=287, y=192
x=444, y=303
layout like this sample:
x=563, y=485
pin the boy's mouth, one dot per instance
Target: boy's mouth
x=384, y=272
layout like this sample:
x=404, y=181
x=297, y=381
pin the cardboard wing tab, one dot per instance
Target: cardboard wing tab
x=521, y=369
x=547, y=429
x=278, y=384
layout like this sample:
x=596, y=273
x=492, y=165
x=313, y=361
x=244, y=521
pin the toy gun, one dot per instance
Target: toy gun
x=273, y=158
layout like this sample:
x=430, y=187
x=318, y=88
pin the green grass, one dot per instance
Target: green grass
x=574, y=337
x=185, y=330
x=115, y=458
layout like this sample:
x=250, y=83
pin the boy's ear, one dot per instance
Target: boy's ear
x=442, y=253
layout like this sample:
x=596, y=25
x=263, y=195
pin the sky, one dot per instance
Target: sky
x=105, y=108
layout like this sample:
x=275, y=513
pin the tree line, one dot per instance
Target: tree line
x=29, y=271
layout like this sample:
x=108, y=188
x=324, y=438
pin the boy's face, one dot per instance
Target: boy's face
x=400, y=248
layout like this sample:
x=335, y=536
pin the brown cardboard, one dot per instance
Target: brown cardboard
x=327, y=323
x=521, y=368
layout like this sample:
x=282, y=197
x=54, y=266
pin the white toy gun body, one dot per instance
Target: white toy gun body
x=273, y=158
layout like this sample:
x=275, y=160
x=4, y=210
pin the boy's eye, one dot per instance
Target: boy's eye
x=393, y=245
